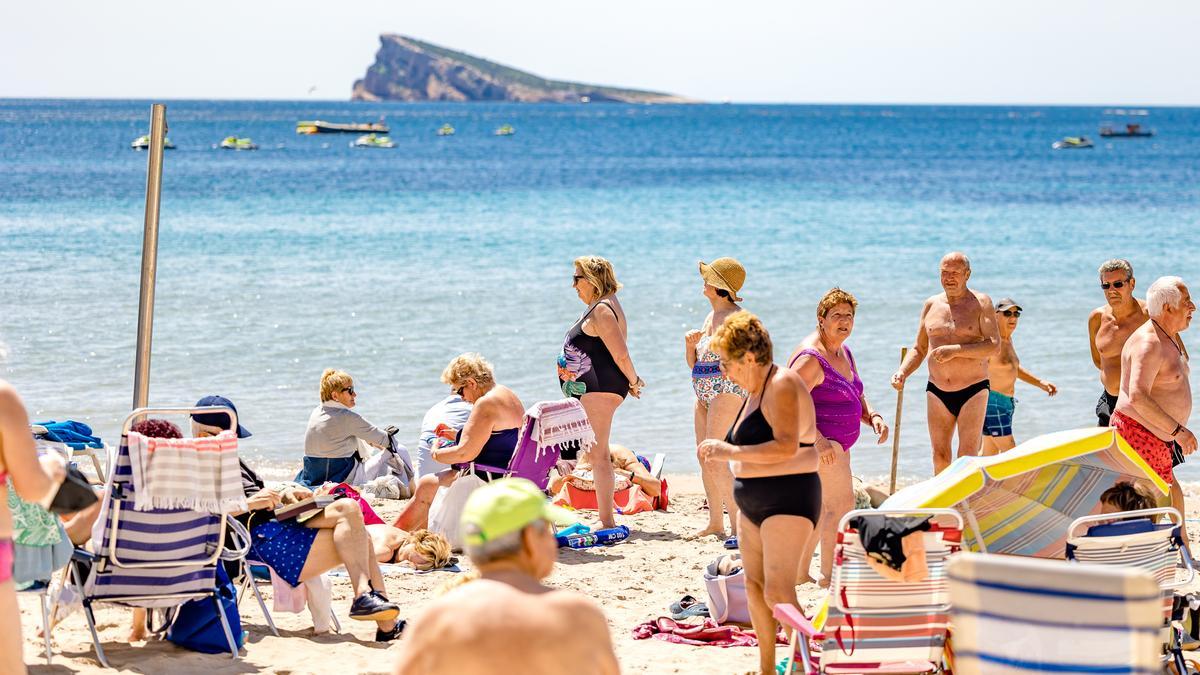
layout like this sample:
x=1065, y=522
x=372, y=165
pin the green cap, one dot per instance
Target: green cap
x=505, y=506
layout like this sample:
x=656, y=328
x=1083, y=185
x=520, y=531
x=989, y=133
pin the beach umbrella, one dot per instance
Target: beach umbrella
x=1021, y=501
x=154, y=161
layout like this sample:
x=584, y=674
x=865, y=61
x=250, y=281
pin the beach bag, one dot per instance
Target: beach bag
x=446, y=510
x=727, y=601
x=197, y=626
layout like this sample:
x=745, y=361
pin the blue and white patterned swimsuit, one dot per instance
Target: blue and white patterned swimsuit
x=707, y=379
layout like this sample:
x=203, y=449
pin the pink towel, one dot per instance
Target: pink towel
x=288, y=598
x=708, y=633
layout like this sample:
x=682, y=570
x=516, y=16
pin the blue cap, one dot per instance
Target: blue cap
x=217, y=419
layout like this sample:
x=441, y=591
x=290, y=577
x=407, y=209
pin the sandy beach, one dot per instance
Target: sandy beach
x=632, y=582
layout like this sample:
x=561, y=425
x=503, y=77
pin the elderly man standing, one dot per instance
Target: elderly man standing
x=958, y=333
x=1155, y=398
x=507, y=621
x=1109, y=326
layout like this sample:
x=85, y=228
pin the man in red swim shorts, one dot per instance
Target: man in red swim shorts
x=1156, y=399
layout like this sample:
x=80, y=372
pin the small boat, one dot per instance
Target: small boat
x=1072, y=143
x=235, y=143
x=506, y=130
x=1130, y=131
x=143, y=143
x=445, y=130
x=373, y=141
x=322, y=127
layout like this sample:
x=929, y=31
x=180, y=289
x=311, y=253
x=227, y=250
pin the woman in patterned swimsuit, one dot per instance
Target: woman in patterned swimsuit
x=717, y=397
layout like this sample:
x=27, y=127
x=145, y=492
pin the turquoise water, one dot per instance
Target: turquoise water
x=307, y=254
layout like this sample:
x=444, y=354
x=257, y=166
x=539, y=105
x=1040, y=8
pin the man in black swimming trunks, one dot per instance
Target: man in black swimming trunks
x=958, y=333
x=1109, y=326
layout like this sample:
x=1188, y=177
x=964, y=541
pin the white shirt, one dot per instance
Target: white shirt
x=452, y=411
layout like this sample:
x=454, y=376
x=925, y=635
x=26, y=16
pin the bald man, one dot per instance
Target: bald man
x=958, y=333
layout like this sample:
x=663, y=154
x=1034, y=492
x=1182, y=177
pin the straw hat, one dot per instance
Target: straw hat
x=724, y=273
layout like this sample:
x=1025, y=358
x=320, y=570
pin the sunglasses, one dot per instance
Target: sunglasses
x=1115, y=284
x=459, y=392
x=1011, y=312
x=350, y=390
x=576, y=278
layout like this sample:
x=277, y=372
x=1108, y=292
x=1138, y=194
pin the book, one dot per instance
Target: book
x=305, y=508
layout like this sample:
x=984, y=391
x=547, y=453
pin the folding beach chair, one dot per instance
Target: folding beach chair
x=74, y=450
x=153, y=558
x=1133, y=539
x=249, y=581
x=876, y=624
x=532, y=461
x=1028, y=615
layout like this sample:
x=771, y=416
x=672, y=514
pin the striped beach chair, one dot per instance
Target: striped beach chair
x=1016, y=615
x=563, y=422
x=1134, y=539
x=876, y=624
x=153, y=558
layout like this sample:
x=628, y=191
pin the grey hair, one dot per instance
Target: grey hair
x=1117, y=265
x=1163, y=293
x=504, y=546
x=959, y=256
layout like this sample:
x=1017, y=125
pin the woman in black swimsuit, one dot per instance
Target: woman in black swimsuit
x=774, y=461
x=595, y=366
x=488, y=438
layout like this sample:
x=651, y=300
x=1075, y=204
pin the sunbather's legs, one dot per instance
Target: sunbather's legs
x=770, y=556
x=713, y=421
x=600, y=408
x=415, y=516
x=79, y=525
x=837, y=498
x=343, y=540
x=11, y=654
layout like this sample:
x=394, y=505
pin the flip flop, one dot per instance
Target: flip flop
x=731, y=543
x=688, y=607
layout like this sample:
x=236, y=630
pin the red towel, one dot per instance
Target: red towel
x=709, y=633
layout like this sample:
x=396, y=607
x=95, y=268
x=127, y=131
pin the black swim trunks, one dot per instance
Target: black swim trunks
x=955, y=400
x=1104, y=408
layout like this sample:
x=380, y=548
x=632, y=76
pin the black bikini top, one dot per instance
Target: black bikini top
x=754, y=429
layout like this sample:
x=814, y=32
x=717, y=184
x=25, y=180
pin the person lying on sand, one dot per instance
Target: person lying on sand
x=422, y=549
x=507, y=616
x=627, y=466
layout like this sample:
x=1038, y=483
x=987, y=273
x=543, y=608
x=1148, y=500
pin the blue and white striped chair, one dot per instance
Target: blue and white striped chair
x=157, y=558
x=1135, y=539
x=1028, y=615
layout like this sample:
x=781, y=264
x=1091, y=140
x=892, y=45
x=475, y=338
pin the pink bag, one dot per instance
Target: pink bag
x=369, y=515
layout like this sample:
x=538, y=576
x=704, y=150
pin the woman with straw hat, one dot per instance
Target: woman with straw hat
x=717, y=397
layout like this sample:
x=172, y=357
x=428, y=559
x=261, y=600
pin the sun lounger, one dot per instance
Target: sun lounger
x=547, y=429
x=1025, y=615
x=1133, y=539
x=153, y=558
x=876, y=624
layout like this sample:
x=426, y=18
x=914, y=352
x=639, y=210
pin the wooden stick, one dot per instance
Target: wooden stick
x=896, y=426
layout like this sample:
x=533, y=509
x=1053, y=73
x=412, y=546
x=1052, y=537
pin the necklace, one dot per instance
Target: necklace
x=1164, y=330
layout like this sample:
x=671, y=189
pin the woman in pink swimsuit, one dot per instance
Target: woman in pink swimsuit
x=33, y=481
x=827, y=367
x=717, y=397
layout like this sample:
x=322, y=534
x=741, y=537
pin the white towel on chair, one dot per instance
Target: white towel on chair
x=561, y=423
x=201, y=474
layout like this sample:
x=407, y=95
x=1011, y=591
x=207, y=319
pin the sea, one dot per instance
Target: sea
x=310, y=254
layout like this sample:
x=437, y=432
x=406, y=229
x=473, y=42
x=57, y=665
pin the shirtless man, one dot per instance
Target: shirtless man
x=1109, y=326
x=958, y=333
x=507, y=621
x=1155, y=398
x=1004, y=369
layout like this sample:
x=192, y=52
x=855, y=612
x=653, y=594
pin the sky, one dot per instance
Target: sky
x=1088, y=52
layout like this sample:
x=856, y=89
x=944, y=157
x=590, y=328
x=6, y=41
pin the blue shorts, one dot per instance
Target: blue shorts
x=320, y=470
x=999, y=418
x=283, y=546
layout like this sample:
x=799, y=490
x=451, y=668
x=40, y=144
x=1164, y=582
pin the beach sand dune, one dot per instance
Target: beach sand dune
x=632, y=582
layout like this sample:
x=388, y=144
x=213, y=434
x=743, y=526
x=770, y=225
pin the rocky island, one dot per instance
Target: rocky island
x=407, y=69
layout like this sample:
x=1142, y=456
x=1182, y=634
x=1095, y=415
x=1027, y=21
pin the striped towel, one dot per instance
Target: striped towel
x=561, y=423
x=199, y=474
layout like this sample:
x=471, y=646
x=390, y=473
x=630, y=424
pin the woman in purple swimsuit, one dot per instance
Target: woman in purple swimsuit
x=33, y=480
x=827, y=367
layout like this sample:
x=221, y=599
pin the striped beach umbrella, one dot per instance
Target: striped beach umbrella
x=1021, y=501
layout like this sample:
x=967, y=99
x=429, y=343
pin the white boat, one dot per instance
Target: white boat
x=373, y=141
x=1073, y=143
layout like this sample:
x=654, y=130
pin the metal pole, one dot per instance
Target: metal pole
x=896, y=427
x=141, y=373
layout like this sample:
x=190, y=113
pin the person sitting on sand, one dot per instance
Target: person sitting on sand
x=334, y=429
x=489, y=437
x=299, y=552
x=507, y=616
x=423, y=550
x=1004, y=369
x=628, y=467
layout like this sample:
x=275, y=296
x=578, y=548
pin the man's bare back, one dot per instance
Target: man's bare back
x=1170, y=390
x=487, y=626
x=1109, y=335
x=958, y=323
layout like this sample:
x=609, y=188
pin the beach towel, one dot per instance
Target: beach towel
x=198, y=474
x=560, y=423
x=75, y=434
x=709, y=633
x=389, y=569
